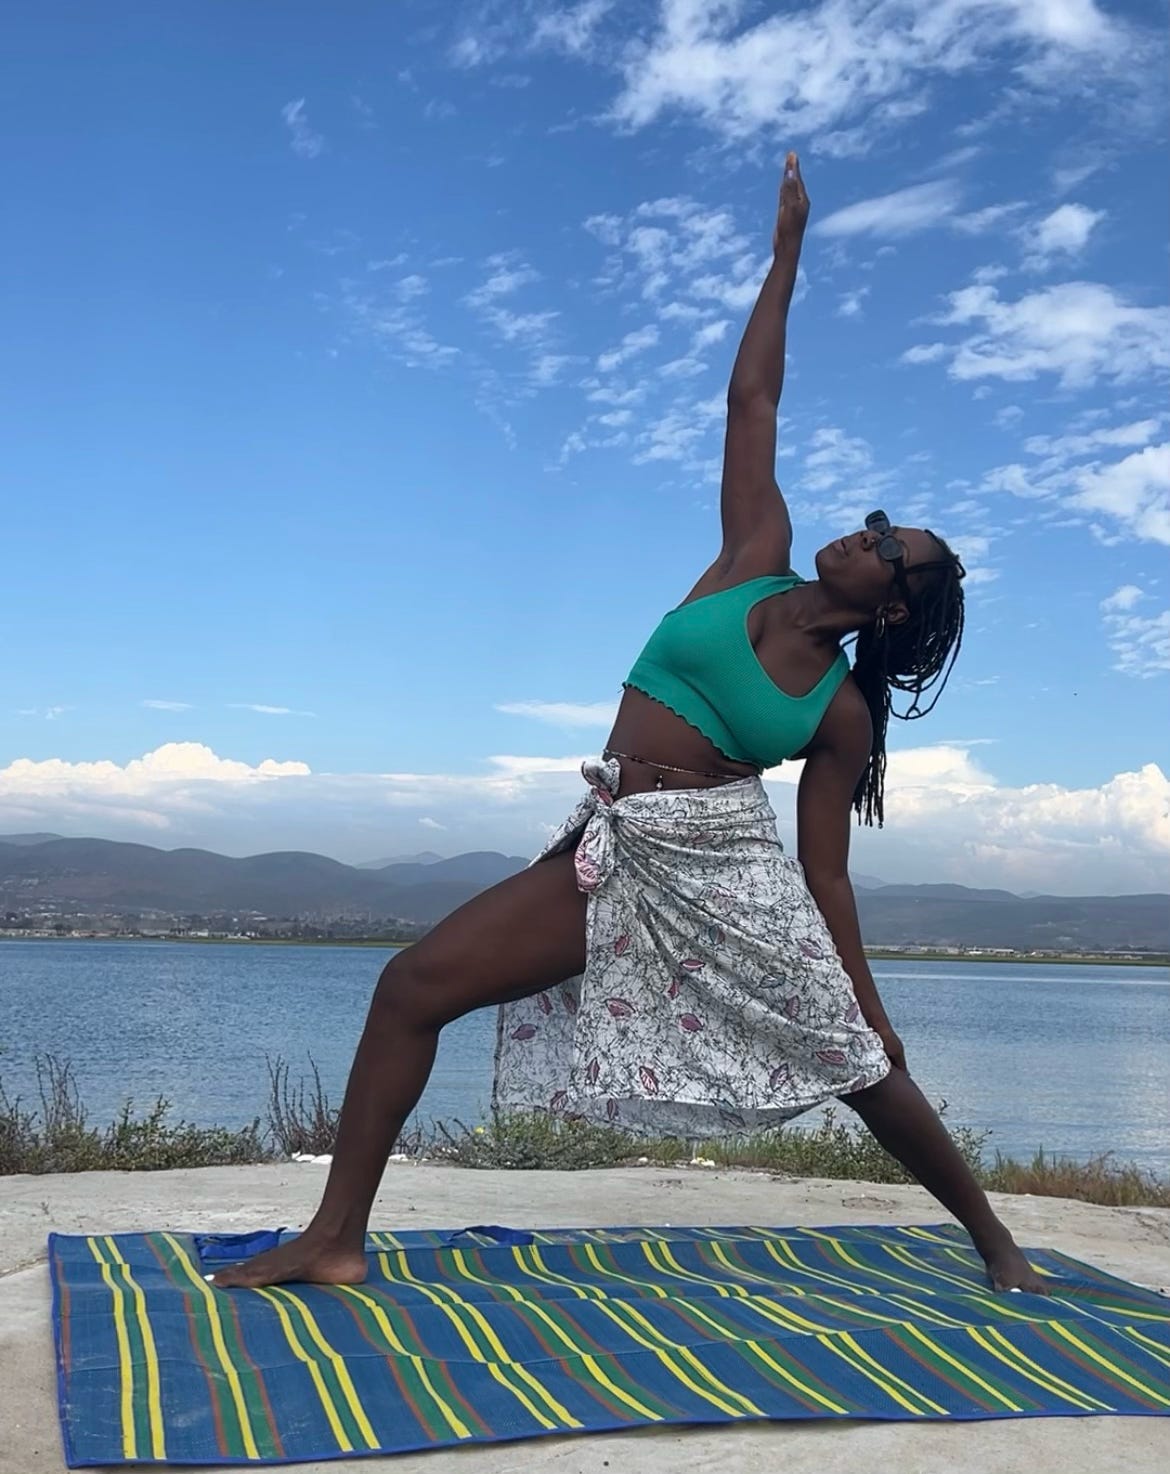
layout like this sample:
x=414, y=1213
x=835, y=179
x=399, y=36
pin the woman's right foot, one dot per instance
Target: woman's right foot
x=303, y=1259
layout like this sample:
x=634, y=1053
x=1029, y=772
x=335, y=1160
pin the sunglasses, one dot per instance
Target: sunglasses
x=891, y=550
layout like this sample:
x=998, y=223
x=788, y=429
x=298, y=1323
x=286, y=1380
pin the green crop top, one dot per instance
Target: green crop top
x=700, y=663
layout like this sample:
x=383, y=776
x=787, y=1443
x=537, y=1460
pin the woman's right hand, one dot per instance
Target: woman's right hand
x=792, y=216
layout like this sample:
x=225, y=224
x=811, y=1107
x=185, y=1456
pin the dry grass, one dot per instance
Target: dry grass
x=55, y=1136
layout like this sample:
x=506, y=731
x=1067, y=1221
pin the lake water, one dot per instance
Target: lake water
x=1071, y=1058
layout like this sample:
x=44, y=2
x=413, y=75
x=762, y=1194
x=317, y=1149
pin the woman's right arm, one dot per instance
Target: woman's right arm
x=757, y=533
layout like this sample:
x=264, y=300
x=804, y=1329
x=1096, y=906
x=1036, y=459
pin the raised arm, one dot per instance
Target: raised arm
x=757, y=533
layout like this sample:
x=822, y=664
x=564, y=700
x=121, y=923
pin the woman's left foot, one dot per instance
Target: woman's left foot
x=1009, y=1270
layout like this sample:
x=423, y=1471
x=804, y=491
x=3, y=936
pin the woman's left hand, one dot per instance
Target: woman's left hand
x=893, y=1046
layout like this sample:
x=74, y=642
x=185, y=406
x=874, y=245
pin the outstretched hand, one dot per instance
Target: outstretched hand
x=792, y=216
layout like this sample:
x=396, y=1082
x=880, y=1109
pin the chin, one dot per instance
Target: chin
x=822, y=557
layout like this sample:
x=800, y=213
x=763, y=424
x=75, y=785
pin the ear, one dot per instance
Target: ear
x=895, y=612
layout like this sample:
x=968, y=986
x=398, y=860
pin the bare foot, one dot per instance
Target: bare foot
x=302, y=1259
x=1009, y=1270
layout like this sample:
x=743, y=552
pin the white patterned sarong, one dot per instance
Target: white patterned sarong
x=713, y=999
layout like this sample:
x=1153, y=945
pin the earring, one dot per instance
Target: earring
x=880, y=626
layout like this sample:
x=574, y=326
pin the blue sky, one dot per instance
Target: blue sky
x=363, y=376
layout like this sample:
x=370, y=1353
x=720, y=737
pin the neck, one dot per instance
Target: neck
x=818, y=614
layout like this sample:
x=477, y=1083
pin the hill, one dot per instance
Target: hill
x=103, y=876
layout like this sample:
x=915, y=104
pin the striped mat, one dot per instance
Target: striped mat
x=494, y=1334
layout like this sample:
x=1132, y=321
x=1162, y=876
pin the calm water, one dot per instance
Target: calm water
x=1073, y=1058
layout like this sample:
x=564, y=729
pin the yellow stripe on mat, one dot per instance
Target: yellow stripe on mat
x=158, y=1448
x=294, y=1342
x=217, y=1340
x=125, y=1363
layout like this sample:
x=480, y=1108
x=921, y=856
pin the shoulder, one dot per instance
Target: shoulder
x=729, y=572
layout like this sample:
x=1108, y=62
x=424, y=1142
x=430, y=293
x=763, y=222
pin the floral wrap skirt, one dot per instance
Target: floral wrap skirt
x=713, y=999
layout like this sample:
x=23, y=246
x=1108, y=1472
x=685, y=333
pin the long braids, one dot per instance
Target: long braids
x=914, y=656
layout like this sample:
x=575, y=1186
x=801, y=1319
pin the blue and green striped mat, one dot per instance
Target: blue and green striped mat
x=493, y=1334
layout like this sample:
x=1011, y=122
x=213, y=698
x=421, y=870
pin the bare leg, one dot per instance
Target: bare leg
x=518, y=938
x=906, y=1124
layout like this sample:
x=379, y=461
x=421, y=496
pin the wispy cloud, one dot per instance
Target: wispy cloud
x=902, y=212
x=632, y=344
x=45, y=713
x=269, y=711
x=1140, y=642
x=303, y=141
x=508, y=273
x=567, y=714
x=168, y=705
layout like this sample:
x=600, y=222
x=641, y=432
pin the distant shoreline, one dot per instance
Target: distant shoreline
x=876, y=954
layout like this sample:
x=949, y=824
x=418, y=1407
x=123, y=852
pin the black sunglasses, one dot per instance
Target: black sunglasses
x=891, y=550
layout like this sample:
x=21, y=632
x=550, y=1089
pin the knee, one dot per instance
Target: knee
x=408, y=995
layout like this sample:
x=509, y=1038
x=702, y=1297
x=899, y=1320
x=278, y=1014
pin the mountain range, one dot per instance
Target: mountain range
x=43, y=872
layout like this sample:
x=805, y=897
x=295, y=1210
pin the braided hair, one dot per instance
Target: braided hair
x=914, y=656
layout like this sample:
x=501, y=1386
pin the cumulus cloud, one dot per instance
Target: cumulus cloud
x=948, y=817
x=1082, y=333
x=1132, y=494
x=303, y=141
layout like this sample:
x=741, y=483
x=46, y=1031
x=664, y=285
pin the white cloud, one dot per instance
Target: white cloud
x=394, y=321
x=809, y=71
x=268, y=711
x=428, y=823
x=1140, y=642
x=948, y=817
x=1081, y=332
x=571, y=30
x=850, y=303
x=508, y=274
x=1134, y=491
x=709, y=334
x=903, y=212
x=632, y=344
x=179, y=778
x=548, y=368
x=925, y=353
x=1122, y=599
x=302, y=139
x=168, y=705
x=563, y=713
x=1058, y=237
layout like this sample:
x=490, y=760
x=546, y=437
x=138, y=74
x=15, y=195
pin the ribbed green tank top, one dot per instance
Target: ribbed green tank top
x=700, y=663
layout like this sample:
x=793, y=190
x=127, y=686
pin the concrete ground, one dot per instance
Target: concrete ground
x=1131, y=1242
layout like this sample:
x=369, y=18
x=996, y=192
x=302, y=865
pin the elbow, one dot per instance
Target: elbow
x=826, y=880
x=752, y=399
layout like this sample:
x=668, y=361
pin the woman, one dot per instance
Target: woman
x=724, y=985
